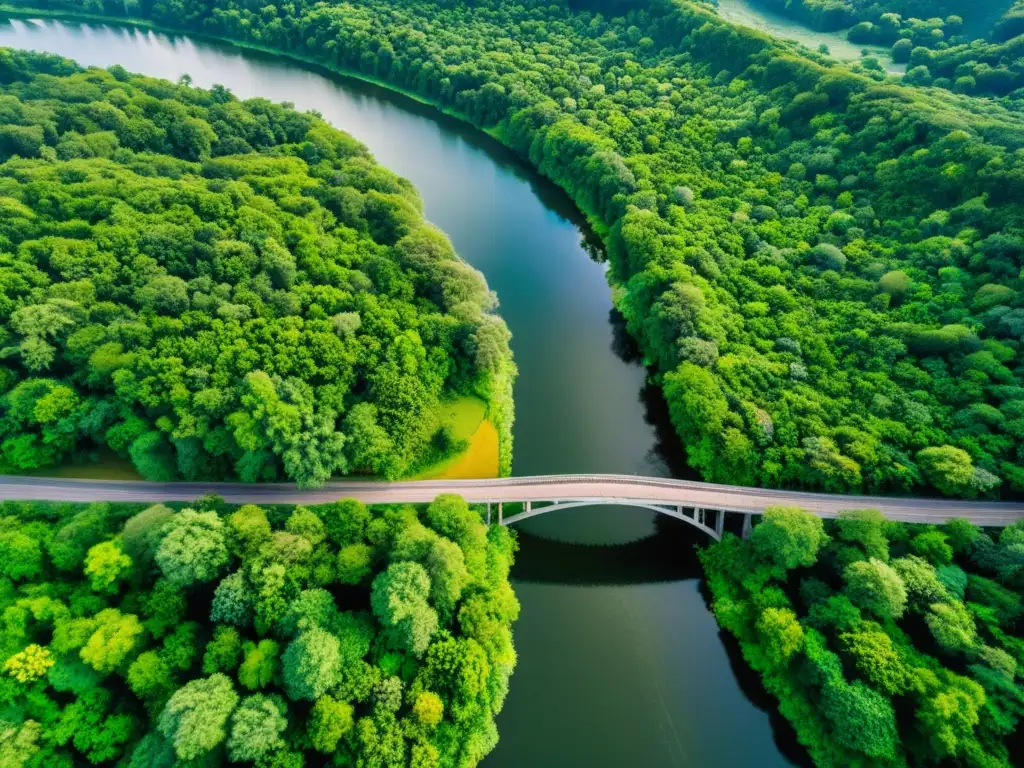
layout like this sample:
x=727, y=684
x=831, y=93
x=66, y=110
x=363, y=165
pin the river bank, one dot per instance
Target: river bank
x=627, y=667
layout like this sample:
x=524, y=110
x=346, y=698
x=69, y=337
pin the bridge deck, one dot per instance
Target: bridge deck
x=601, y=489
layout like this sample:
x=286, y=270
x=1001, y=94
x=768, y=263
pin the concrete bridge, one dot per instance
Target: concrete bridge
x=706, y=506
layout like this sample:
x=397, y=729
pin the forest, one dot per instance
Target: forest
x=221, y=289
x=823, y=271
x=886, y=644
x=284, y=636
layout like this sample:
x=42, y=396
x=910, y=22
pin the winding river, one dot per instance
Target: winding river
x=620, y=660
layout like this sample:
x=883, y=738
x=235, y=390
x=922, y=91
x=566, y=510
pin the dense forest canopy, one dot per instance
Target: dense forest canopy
x=219, y=288
x=886, y=644
x=277, y=637
x=824, y=271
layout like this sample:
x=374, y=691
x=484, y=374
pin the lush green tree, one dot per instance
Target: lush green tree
x=193, y=547
x=115, y=637
x=90, y=726
x=921, y=581
x=22, y=556
x=933, y=546
x=862, y=718
x=70, y=545
x=380, y=741
x=446, y=567
x=428, y=708
x=948, y=713
x=789, y=538
x=877, y=659
x=400, y=602
x=354, y=563
x=248, y=529
x=233, y=601
x=259, y=664
x=224, y=651
x=781, y=634
x=876, y=587
x=949, y=469
x=150, y=678
x=29, y=664
x=106, y=564
x=311, y=665
x=345, y=521
x=142, y=534
x=195, y=718
x=256, y=727
x=311, y=609
x=865, y=529
x=961, y=535
x=952, y=626
x=1006, y=604
x=329, y=721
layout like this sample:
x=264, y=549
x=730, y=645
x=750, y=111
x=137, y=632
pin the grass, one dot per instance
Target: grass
x=467, y=418
x=749, y=13
x=106, y=466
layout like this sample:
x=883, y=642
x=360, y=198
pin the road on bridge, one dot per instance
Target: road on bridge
x=602, y=489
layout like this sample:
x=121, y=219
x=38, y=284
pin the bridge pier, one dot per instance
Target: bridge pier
x=698, y=515
x=488, y=513
x=747, y=526
x=719, y=523
x=501, y=515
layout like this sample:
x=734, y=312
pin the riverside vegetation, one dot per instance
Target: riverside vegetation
x=886, y=644
x=822, y=270
x=222, y=289
x=277, y=637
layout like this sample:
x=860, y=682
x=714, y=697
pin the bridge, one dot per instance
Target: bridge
x=702, y=505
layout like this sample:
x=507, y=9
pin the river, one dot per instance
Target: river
x=620, y=660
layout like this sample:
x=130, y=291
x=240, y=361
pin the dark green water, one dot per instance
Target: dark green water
x=620, y=661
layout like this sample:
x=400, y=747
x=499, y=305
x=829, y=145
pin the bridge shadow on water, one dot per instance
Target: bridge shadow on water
x=669, y=554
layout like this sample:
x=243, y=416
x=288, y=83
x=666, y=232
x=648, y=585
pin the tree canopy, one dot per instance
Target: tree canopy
x=822, y=267
x=218, y=288
x=271, y=658
x=872, y=657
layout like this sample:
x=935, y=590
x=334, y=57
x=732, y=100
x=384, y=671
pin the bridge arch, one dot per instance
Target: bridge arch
x=697, y=517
